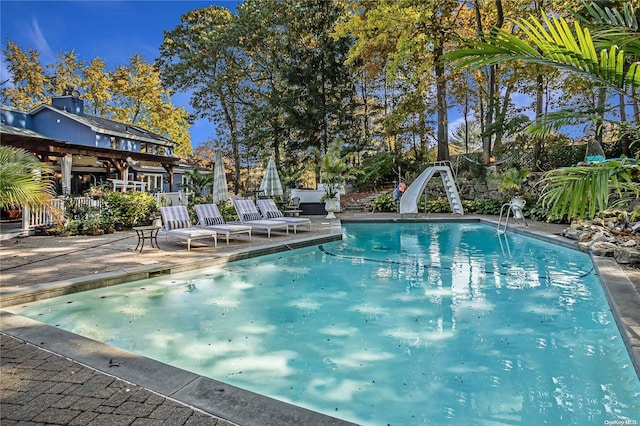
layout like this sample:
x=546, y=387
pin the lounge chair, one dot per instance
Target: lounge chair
x=270, y=210
x=176, y=222
x=209, y=217
x=249, y=215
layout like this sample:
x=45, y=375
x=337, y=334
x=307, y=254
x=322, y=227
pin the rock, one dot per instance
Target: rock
x=629, y=243
x=586, y=236
x=602, y=248
x=627, y=255
x=572, y=234
x=635, y=228
x=584, y=245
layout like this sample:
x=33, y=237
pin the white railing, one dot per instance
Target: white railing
x=48, y=216
x=42, y=216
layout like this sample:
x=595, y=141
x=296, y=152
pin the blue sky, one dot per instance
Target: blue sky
x=112, y=30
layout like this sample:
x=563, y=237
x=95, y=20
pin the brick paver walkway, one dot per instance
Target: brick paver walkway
x=39, y=388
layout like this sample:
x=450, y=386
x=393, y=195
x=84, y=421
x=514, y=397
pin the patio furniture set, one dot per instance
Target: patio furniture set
x=264, y=217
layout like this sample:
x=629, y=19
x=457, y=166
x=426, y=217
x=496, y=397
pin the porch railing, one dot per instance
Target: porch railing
x=35, y=218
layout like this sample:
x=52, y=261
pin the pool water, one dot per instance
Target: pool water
x=397, y=324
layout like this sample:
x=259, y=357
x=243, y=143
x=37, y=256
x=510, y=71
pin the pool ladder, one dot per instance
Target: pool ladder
x=515, y=209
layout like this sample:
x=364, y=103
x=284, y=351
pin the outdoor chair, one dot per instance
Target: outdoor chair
x=176, y=222
x=209, y=217
x=293, y=209
x=270, y=210
x=248, y=214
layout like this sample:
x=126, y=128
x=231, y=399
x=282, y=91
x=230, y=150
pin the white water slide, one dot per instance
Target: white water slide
x=409, y=200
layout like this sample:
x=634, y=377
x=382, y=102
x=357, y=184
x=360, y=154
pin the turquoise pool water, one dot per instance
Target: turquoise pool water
x=399, y=324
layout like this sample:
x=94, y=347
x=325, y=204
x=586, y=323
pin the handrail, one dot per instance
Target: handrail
x=514, y=208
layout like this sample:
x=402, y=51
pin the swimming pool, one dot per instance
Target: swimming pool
x=396, y=324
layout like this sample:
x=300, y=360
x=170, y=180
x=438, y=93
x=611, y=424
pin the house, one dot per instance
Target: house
x=86, y=150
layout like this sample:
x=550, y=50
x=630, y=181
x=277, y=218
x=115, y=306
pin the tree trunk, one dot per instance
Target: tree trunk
x=441, y=99
x=624, y=140
x=537, y=141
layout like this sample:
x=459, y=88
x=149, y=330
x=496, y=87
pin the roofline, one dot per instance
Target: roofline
x=74, y=117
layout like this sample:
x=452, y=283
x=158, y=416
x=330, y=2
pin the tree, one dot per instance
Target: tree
x=139, y=97
x=22, y=180
x=406, y=39
x=197, y=57
x=576, y=191
x=28, y=78
x=552, y=42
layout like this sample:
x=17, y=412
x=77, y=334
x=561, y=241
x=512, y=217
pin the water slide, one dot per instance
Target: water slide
x=409, y=200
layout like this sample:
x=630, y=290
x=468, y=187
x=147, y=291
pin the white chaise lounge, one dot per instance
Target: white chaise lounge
x=248, y=214
x=270, y=210
x=209, y=217
x=176, y=222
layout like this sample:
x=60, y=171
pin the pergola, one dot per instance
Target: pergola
x=45, y=148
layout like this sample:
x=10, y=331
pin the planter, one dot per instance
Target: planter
x=332, y=205
x=517, y=202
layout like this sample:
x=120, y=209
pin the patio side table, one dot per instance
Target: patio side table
x=146, y=233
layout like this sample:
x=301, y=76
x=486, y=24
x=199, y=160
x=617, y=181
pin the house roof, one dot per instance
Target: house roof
x=17, y=131
x=109, y=127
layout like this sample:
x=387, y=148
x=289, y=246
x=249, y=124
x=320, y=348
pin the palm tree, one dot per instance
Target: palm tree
x=22, y=180
x=609, y=57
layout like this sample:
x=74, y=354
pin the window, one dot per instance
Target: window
x=154, y=182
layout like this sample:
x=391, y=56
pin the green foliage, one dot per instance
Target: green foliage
x=553, y=42
x=486, y=206
x=197, y=182
x=583, y=191
x=22, y=179
x=228, y=211
x=130, y=208
x=539, y=212
x=376, y=169
x=335, y=170
x=512, y=181
x=435, y=205
x=384, y=203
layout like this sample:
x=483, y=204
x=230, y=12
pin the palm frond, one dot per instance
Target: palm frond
x=22, y=180
x=558, y=45
x=582, y=191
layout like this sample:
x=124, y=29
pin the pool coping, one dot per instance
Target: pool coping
x=229, y=402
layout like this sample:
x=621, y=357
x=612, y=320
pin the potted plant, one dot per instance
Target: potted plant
x=512, y=185
x=334, y=173
x=95, y=192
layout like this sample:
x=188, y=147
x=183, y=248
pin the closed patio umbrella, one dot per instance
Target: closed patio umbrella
x=220, y=190
x=65, y=171
x=271, y=184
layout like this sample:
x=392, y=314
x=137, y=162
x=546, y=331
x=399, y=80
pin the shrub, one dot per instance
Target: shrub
x=436, y=205
x=487, y=205
x=131, y=208
x=384, y=203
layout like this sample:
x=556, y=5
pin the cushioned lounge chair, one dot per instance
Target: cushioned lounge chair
x=249, y=215
x=176, y=222
x=209, y=217
x=270, y=210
